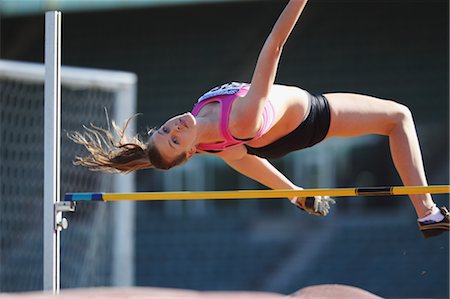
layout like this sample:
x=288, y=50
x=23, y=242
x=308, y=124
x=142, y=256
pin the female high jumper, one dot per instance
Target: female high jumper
x=248, y=124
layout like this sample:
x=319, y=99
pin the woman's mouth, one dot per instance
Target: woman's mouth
x=183, y=123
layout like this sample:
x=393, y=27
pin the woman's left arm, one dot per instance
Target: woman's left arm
x=267, y=64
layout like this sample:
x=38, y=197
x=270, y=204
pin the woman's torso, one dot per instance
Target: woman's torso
x=290, y=105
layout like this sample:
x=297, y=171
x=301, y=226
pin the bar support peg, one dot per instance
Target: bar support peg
x=60, y=207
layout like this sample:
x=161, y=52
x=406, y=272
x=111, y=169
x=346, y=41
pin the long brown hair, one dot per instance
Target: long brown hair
x=111, y=151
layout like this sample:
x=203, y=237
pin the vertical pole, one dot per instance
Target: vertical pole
x=124, y=212
x=52, y=139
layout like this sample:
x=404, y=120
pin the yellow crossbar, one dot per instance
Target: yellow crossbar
x=242, y=194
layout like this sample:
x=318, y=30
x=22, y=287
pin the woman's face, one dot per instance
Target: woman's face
x=176, y=136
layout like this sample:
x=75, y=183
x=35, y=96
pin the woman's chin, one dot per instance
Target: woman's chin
x=191, y=120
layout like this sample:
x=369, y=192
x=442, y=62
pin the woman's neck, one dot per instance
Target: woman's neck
x=208, y=130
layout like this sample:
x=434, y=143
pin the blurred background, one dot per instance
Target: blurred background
x=180, y=49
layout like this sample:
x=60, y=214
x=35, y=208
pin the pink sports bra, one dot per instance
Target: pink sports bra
x=225, y=95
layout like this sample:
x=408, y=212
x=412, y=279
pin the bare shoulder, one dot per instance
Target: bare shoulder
x=246, y=117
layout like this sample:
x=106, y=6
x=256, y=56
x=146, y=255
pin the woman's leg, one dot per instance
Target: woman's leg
x=355, y=115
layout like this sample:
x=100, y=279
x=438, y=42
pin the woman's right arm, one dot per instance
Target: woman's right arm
x=262, y=171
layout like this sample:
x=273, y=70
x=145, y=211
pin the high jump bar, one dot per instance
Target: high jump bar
x=246, y=194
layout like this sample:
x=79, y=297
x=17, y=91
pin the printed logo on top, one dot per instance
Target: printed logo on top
x=225, y=89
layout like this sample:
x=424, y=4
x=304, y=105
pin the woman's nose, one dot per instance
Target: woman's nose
x=174, y=129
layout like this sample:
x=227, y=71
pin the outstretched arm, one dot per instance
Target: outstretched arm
x=265, y=173
x=262, y=171
x=267, y=64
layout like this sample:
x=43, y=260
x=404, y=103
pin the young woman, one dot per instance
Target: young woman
x=247, y=124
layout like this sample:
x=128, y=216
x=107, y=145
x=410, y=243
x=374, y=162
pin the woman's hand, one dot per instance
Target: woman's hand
x=262, y=171
x=318, y=205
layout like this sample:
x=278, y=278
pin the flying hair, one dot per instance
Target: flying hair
x=110, y=150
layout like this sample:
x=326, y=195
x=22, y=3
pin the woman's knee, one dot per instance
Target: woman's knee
x=402, y=115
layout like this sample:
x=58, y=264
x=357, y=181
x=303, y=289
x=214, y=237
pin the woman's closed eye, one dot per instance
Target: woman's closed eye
x=165, y=130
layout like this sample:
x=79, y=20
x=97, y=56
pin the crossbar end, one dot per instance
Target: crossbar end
x=83, y=197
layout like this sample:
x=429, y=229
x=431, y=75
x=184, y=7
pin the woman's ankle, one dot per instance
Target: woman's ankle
x=434, y=215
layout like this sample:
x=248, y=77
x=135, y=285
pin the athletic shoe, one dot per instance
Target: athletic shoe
x=431, y=228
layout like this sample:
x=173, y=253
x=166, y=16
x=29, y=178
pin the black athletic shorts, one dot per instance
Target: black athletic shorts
x=310, y=132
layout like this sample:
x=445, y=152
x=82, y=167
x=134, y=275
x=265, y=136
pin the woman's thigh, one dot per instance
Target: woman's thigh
x=356, y=115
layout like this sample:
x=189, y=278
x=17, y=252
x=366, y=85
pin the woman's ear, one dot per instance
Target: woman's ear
x=191, y=152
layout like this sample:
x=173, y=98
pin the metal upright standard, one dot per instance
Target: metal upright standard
x=53, y=208
x=123, y=86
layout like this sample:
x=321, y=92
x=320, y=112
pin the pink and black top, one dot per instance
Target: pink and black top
x=225, y=96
